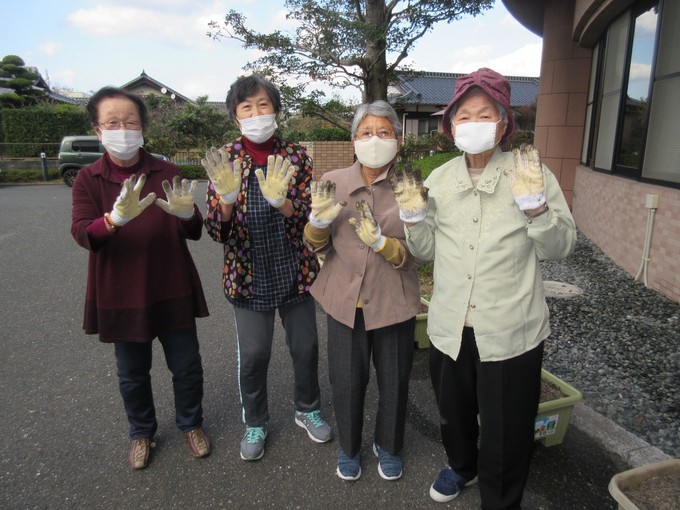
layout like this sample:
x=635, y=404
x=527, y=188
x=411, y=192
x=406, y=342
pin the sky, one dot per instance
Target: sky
x=83, y=45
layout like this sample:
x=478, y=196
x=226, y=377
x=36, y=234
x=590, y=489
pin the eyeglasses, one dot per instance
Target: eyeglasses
x=383, y=134
x=116, y=124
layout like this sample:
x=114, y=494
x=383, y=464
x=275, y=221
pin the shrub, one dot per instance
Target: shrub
x=32, y=175
x=192, y=172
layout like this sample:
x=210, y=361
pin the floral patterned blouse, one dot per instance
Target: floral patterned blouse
x=236, y=234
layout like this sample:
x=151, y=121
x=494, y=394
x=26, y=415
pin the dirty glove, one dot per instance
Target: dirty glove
x=410, y=194
x=526, y=181
x=180, y=199
x=274, y=186
x=225, y=176
x=367, y=228
x=127, y=205
x=324, y=207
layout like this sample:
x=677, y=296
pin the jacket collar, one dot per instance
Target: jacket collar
x=356, y=179
x=487, y=181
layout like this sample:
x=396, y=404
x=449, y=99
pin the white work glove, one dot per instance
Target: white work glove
x=367, y=228
x=127, y=205
x=411, y=195
x=180, y=198
x=275, y=185
x=324, y=207
x=526, y=181
x=225, y=176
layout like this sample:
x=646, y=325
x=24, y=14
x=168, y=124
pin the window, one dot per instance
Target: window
x=426, y=126
x=633, y=106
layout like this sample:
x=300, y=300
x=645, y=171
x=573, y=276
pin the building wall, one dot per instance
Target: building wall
x=329, y=155
x=611, y=211
x=563, y=91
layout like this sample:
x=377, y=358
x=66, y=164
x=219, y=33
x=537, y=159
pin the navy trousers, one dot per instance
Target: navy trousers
x=183, y=358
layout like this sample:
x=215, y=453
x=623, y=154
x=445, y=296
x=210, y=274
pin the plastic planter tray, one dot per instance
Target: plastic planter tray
x=553, y=416
x=622, y=481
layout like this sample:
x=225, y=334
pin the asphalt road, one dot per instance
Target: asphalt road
x=64, y=440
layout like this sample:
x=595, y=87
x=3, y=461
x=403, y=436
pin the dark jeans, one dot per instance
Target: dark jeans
x=184, y=361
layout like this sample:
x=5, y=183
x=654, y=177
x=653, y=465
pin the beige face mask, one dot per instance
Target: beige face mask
x=375, y=152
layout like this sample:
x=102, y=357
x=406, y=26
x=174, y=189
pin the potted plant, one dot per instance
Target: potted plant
x=654, y=486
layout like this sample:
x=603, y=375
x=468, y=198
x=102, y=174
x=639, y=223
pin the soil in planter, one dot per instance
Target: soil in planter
x=658, y=492
x=550, y=392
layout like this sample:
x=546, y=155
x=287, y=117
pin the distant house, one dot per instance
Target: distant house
x=420, y=99
x=144, y=85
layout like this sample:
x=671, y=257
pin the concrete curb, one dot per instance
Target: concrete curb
x=627, y=450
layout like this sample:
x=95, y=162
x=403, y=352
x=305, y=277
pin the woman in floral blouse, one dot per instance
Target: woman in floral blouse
x=258, y=203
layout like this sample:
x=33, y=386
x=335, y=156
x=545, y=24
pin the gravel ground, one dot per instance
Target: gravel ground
x=619, y=344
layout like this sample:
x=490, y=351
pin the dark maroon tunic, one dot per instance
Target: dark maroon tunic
x=141, y=280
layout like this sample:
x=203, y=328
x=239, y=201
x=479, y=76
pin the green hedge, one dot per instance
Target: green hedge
x=33, y=175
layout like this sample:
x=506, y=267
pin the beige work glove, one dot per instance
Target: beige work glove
x=225, y=176
x=128, y=205
x=411, y=195
x=275, y=185
x=526, y=180
x=180, y=198
x=324, y=207
x=367, y=228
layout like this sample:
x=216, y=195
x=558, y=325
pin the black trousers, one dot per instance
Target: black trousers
x=349, y=365
x=505, y=395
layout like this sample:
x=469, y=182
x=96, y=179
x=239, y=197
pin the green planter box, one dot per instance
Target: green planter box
x=553, y=416
x=621, y=482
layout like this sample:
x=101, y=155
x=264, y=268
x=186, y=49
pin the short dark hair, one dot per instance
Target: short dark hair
x=111, y=92
x=246, y=86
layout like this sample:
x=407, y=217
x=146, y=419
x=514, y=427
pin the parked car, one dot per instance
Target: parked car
x=79, y=151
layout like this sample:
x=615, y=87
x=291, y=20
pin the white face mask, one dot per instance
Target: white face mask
x=375, y=152
x=475, y=137
x=259, y=129
x=122, y=143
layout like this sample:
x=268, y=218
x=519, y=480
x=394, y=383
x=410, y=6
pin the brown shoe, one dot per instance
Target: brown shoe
x=198, y=442
x=140, y=450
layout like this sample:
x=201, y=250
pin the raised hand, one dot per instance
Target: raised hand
x=324, y=207
x=225, y=176
x=275, y=185
x=128, y=205
x=526, y=180
x=410, y=194
x=180, y=198
x=367, y=228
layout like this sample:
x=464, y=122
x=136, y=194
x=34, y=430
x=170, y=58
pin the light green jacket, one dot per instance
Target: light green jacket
x=486, y=254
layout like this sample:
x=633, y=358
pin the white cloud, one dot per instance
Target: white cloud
x=640, y=71
x=50, y=48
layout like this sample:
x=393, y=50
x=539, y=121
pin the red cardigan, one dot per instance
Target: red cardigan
x=141, y=280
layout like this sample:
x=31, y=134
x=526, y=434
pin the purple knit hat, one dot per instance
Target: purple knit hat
x=494, y=84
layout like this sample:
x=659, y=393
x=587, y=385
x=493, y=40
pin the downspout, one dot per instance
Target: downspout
x=651, y=203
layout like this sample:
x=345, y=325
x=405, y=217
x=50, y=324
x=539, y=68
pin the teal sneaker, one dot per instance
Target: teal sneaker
x=389, y=465
x=252, y=444
x=318, y=430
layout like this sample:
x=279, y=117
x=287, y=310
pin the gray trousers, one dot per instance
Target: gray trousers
x=349, y=364
x=255, y=333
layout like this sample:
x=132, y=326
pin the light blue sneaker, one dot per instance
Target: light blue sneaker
x=389, y=465
x=318, y=430
x=252, y=444
x=349, y=468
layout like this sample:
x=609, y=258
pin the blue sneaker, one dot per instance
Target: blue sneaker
x=318, y=430
x=389, y=465
x=349, y=468
x=448, y=485
x=252, y=444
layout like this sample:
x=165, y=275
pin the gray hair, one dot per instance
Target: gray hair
x=377, y=108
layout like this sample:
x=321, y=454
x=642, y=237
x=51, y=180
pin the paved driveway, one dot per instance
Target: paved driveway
x=64, y=438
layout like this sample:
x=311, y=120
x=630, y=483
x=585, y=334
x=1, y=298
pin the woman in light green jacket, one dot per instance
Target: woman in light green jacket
x=486, y=221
